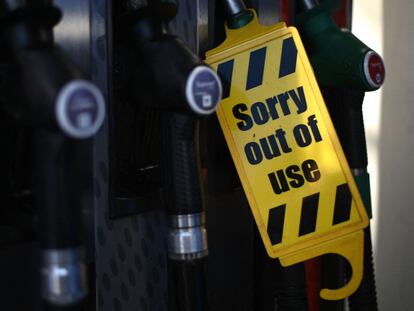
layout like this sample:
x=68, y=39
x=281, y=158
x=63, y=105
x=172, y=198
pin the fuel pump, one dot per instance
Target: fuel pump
x=49, y=94
x=345, y=68
x=166, y=75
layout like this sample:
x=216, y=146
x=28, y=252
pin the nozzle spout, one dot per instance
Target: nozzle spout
x=234, y=7
x=306, y=5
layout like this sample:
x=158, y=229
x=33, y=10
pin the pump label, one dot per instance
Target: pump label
x=80, y=109
x=283, y=143
x=203, y=90
x=374, y=69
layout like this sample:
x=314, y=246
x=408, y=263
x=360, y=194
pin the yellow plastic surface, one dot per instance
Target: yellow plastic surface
x=296, y=155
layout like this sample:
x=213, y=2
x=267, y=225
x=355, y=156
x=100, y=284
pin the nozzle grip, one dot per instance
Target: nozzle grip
x=345, y=108
x=41, y=73
x=182, y=171
x=291, y=288
x=56, y=191
x=168, y=76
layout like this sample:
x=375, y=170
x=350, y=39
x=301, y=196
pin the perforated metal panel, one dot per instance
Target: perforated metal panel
x=131, y=263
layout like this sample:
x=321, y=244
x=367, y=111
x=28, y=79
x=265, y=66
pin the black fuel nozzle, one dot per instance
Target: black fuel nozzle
x=169, y=75
x=166, y=75
x=49, y=94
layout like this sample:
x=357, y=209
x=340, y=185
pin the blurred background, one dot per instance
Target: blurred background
x=388, y=26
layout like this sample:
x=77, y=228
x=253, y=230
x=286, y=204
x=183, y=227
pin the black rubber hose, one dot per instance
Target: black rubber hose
x=277, y=287
x=333, y=268
x=365, y=297
x=345, y=107
x=291, y=288
x=189, y=279
x=184, y=197
x=56, y=197
x=182, y=178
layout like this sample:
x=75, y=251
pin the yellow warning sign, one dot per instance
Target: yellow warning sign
x=287, y=154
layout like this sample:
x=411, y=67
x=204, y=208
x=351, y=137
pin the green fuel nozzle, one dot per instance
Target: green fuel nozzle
x=338, y=57
x=345, y=68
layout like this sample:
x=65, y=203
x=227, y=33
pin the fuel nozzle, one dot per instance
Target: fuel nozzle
x=345, y=68
x=341, y=58
x=167, y=76
x=237, y=14
x=49, y=94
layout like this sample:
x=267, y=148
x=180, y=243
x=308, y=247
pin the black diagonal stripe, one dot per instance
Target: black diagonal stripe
x=343, y=203
x=225, y=72
x=288, y=58
x=256, y=68
x=275, y=224
x=309, y=214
